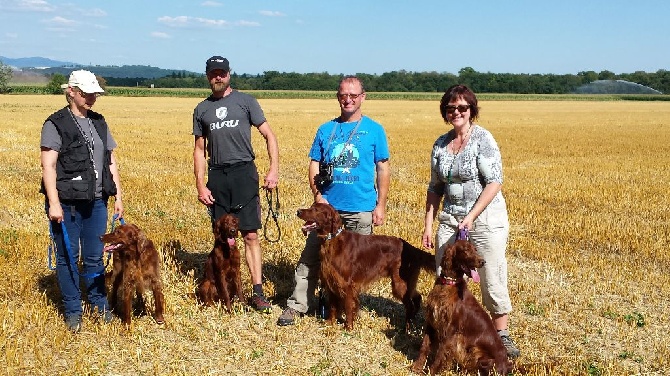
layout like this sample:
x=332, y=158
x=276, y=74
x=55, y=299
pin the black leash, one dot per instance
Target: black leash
x=273, y=209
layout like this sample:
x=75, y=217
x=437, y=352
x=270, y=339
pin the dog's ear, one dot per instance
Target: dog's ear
x=334, y=220
x=218, y=229
x=142, y=241
x=447, y=261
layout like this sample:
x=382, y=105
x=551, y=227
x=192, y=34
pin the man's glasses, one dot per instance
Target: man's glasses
x=461, y=108
x=343, y=97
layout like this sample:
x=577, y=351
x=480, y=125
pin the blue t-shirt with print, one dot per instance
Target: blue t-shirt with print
x=354, y=149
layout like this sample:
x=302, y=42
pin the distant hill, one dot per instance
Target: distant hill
x=110, y=71
x=34, y=62
x=47, y=67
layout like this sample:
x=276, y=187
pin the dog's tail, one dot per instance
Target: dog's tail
x=416, y=258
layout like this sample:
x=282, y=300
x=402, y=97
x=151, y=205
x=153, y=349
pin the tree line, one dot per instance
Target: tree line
x=396, y=81
x=405, y=81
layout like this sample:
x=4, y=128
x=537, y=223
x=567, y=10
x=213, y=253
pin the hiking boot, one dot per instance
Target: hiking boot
x=288, y=317
x=512, y=350
x=261, y=304
x=73, y=323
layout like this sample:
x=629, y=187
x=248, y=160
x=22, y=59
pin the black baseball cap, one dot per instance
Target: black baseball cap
x=217, y=62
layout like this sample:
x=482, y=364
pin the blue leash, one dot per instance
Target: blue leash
x=51, y=249
x=463, y=234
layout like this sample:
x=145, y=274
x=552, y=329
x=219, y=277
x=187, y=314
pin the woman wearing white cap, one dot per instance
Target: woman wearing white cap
x=79, y=174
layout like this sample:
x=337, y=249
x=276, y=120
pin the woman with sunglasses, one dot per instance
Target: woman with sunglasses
x=466, y=175
x=79, y=174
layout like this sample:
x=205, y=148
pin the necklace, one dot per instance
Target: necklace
x=458, y=152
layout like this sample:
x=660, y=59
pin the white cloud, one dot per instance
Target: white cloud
x=158, y=34
x=174, y=21
x=272, y=13
x=27, y=5
x=12, y=35
x=199, y=22
x=95, y=12
x=211, y=4
x=247, y=23
x=211, y=23
x=60, y=21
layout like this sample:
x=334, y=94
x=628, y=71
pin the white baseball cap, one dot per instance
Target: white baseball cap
x=85, y=81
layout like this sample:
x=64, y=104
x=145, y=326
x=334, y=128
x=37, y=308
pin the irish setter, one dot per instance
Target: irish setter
x=222, y=279
x=135, y=268
x=350, y=262
x=457, y=327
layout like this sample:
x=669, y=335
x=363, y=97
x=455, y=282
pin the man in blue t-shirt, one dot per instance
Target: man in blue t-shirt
x=349, y=169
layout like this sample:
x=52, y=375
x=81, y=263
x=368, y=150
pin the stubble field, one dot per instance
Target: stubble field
x=586, y=185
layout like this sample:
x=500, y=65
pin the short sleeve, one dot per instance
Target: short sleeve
x=436, y=185
x=50, y=137
x=256, y=115
x=489, y=160
x=111, y=143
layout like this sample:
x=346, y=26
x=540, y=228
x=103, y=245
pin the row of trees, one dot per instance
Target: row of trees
x=396, y=81
x=404, y=81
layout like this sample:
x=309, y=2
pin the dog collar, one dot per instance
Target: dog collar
x=330, y=236
x=442, y=280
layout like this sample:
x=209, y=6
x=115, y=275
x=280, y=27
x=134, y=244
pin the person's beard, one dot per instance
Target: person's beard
x=218, y=87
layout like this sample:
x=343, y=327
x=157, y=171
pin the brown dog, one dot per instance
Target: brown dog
x=350, y=262
x=135, y=268
x=457, y=327
x=222, y=279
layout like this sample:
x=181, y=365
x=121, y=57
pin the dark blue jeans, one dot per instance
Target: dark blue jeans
x=84, y=223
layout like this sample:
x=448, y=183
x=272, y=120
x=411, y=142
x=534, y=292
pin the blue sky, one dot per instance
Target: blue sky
x=524, y=36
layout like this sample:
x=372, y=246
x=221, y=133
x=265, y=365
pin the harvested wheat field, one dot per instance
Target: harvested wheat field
x=588, y=255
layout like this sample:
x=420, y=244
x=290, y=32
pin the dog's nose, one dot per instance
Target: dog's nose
x=298, y=212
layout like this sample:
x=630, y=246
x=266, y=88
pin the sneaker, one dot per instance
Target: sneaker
x=261, y=304
x=73, y=323
x=512, y=350
x=106, y=317
x=288, y=317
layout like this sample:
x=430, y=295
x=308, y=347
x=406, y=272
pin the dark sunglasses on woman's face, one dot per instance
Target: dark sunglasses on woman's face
x=461, y=108
x=87, y=94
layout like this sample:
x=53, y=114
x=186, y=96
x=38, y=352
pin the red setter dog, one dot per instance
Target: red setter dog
x=351, y=261
x=457, y=327
x=222, y=279
x=135, y=268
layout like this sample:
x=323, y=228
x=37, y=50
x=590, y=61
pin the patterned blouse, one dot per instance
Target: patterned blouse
x=461, y=178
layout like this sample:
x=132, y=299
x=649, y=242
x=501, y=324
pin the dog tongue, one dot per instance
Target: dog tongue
x=231, y=241
x=475, y=275
x=110, y=248
x=307, y=227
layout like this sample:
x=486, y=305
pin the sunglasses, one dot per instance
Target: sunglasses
x=461, y=108
x=352, y=97
x=83, y=94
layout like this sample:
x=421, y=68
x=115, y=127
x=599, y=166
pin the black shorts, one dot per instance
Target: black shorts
x=235, y=191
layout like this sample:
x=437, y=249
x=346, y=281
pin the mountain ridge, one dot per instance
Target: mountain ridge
x=46, y=66
x=35, y=62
